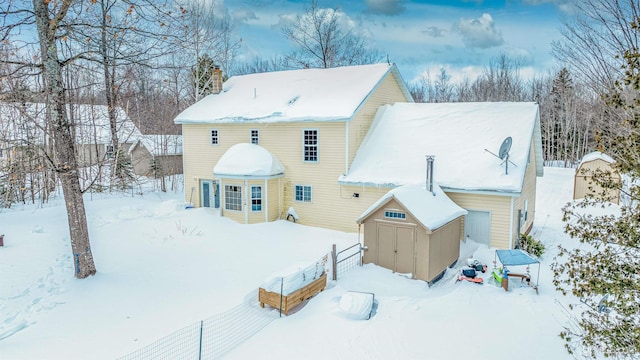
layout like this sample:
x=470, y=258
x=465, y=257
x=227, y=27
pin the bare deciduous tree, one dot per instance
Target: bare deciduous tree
x=325, y=38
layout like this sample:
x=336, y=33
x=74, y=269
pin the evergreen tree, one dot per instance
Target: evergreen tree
x=605, y=271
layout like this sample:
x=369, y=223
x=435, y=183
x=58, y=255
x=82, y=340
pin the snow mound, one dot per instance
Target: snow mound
x=357, y=305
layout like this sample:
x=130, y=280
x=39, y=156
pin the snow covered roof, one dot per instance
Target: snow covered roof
x=457, y=134
x=286, y=96
x=432, y=211
x=597, y=155
x=160, y=144
x=248, y=160
x=91, y=121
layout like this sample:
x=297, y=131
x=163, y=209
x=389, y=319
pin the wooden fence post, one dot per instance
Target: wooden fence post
x=334, y=261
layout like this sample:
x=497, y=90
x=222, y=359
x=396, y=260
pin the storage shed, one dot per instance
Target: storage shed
x=583, y=181
x=413, y=231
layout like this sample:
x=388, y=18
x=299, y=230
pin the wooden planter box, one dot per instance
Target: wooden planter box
x=293, y=299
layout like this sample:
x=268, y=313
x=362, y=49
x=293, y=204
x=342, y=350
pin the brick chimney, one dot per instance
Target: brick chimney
x=216, y=80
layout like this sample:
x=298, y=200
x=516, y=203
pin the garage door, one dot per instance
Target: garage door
x=477, y=227
x=396, y=247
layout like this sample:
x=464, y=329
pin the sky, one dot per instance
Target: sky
x=421, y=36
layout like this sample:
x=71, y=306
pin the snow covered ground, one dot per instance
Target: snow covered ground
x=161, y=268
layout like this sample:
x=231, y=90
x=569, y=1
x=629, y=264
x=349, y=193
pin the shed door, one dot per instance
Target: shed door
x=477, y=227
x=386, y=246
x=396, y=247
x=404, y=248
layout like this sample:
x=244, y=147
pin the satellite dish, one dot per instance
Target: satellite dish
x=504, y=148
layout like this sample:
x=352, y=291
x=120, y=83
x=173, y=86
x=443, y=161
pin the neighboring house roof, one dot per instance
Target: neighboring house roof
x=333, y=94
x=432, y=211
x=597, y=155
x=248, y=160
x=91, y=122
x=159, y=145
x=458, y=135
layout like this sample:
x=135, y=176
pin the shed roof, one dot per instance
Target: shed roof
x=248, y=160
x=159, y=145
x=595, y=155
x=432, y=210
x=459, y=135
x=91, y=122
x=333, y=94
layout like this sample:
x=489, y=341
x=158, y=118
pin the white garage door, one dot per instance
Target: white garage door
x=477, y=226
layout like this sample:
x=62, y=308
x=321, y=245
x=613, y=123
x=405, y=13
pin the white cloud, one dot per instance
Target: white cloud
x=479, y=33
x=434, y=31
x=385, y=7
x=244, y=15
x=345, y=23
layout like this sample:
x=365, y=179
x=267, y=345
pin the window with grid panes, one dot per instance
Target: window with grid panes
x=303, y=193
x=233, y=197
x=256, y=198
x=310, y=145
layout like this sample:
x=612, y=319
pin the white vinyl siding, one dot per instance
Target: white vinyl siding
x=310, y=145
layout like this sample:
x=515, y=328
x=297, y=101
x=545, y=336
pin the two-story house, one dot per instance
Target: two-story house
x=329, y=143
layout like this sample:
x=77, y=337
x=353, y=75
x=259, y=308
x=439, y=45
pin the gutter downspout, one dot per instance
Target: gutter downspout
x=346, y=148
x=511, y=224
x=266, y=201
x=246, y=202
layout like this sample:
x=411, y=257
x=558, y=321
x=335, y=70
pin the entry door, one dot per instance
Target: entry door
x=395, y=247
x=206, y=187
x=216, y=193
x=477, y=227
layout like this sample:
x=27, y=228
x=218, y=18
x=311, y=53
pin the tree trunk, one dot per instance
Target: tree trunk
x=64, y=159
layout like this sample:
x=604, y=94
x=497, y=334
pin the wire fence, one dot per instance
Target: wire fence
x=210, y=338
x=213, y=337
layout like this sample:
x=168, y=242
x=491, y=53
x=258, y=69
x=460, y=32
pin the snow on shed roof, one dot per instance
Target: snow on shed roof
x=161, y=144
x=91, y=121
x=248, y=160
x=432, y=211
x=597, y=155
x=286, y=96
x=393, y=152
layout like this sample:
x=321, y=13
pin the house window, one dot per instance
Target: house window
x=109, y=151
x=214, y=137
x=303, y=193
x=255, y=136
x=526, y=209
x=310, y=145
x=394, y=214
x=233, y=197
x=256, y=198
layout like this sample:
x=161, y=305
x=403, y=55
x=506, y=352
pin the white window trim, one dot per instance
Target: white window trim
x=217, y=137
x=252, y=198
x=225, y=197
x=295, y=197
x=317, y=146
x=257, y=137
